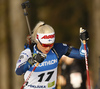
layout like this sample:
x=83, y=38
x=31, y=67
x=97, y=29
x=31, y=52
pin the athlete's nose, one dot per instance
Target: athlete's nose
x=48, y=48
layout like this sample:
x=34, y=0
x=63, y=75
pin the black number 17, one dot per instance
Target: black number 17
x=42, y=75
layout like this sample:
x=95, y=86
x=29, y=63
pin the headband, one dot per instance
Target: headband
x=46, y=38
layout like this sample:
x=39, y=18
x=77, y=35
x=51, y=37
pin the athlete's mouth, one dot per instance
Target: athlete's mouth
x=46, y=51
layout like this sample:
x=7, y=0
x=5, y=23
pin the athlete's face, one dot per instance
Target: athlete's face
x=45, y=48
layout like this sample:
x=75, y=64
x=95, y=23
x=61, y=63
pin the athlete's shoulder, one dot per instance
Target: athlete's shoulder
x=57, y=45
x=60, y=48
x=26, y=52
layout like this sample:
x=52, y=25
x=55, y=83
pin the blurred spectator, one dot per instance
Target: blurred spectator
x=73, y=74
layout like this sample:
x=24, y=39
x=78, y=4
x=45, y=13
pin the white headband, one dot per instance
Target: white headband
x=46, y=38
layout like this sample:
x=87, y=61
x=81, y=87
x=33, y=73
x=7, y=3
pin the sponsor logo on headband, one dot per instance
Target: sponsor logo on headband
x=48, y=36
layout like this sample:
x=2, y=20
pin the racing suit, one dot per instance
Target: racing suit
x=45, y=75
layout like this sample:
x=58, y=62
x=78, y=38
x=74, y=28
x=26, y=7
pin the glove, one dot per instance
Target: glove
x=84, y=35
x=31, y=60
x=39, y=57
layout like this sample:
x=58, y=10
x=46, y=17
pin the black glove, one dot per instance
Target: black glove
x=39, y=57
x=84, y=35
x=31, y=60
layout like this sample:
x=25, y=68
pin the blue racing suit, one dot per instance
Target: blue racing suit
x=45, y=75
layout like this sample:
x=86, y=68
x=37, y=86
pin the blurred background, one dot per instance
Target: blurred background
x=65, y=16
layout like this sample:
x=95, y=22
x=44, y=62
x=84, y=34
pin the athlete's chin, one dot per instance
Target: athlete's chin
x=46, y=52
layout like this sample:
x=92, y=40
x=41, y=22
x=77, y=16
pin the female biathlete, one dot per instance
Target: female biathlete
x=47, y=54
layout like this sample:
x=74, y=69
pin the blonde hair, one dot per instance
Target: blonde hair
x=43, y=28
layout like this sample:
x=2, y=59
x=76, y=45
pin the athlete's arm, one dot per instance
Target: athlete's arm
x=22, y=64
x=78, y=53
x=64, y=49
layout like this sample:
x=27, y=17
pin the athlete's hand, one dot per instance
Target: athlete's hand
x=84, y=35
x=39, y=57
x=31, y=60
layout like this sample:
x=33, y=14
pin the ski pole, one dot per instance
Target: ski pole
x=86, y=61
x=26, y=81
x=24, y=5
